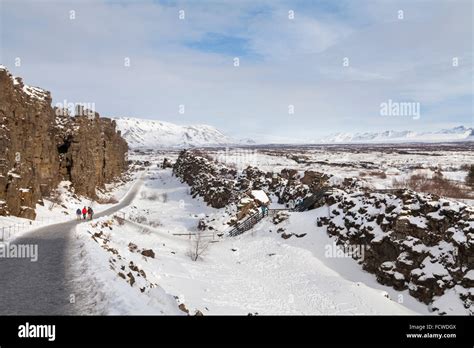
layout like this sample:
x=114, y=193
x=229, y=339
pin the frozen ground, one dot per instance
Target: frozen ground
x=258, y=272
x=111, y=269
x=356, y=160
x=379, y=166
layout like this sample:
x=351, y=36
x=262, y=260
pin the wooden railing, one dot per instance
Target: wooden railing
x=248, y=223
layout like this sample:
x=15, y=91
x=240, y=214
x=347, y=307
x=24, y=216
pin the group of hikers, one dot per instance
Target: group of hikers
x=85, y=213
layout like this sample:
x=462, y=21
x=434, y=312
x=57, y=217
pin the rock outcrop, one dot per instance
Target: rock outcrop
x=212, y=181
x=412, y=241
x=40, y=146
x=220, y=185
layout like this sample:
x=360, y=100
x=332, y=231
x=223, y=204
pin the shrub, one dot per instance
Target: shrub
x=470, y=176
x=198, y=247
x=437, y=185
x=153, y=196
x=154, y=223
x=164, y=197
x=120, y=220
x=380, y=174
x=139, y=219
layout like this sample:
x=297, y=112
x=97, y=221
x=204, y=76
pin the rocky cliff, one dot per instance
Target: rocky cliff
x=40, y=146
x=91, y=151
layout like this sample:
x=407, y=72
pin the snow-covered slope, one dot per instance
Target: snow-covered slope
x=158, y=134
x=460, y=133
x=255, y=273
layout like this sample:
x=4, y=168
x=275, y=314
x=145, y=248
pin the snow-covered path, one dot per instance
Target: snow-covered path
x=45, y=287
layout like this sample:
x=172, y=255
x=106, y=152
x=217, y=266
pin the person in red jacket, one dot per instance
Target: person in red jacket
x=84, y=213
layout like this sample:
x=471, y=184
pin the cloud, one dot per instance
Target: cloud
x=283, y=62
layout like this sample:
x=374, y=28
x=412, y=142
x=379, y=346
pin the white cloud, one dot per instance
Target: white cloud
x=295, y=62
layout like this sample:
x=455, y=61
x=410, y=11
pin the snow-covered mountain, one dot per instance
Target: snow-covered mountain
x=141, y=133
x=460, y=133
x=159, y=134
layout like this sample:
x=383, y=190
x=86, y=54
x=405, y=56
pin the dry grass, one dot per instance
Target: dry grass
x=470, y=176
x=379, y=174
x=437, y=185
x=120, y=220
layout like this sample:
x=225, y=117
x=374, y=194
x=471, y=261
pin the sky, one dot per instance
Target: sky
x=305, y=68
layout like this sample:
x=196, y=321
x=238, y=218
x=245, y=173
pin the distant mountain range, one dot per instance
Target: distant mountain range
x=141, y=133
x=460, y=133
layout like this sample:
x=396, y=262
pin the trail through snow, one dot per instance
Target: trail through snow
x=45, y=287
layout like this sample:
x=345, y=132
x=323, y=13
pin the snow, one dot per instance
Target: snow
x=450, y=303
x=418, y=221
x=110, y=294
x=52, y=213
x=436, y=216
x=141, y=133
x=14, y=175
x=460, y=133
x=459, y=237
x=392, y=171
x=258, y=272
x=260, y=196
x=35, y=92
x=430, y=269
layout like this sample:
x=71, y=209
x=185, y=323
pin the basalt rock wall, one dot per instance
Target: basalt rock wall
x=40, y=146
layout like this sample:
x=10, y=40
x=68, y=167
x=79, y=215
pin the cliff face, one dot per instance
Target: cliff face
x=39, y=148
x=91, y=151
